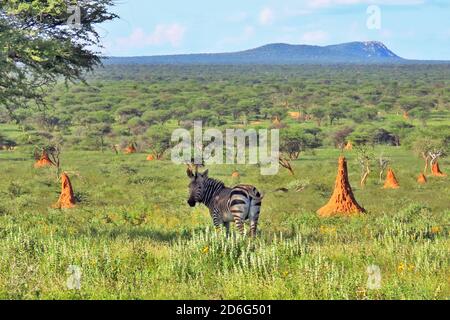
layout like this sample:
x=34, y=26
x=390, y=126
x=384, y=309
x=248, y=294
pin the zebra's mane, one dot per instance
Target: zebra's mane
x=212, y=181
x=211, y=187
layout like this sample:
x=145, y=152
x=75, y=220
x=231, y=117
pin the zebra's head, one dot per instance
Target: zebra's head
x=196, y=186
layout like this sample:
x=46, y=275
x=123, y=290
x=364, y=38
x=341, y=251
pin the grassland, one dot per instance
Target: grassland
x=134, y=237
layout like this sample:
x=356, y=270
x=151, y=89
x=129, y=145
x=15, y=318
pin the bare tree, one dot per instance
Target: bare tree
x=364, y=158
x=434, y=155
x=115, y=148
x=429, y=150
x=54, y=152
x=383, y=163
x=285, y=162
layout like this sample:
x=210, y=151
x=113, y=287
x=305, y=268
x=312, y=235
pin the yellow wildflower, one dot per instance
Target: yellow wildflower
x=327, y=230
x=205, y=250
x=361, y=293
x=436, y=230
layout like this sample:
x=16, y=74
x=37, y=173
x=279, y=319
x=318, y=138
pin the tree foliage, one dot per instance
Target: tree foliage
x=39, y=46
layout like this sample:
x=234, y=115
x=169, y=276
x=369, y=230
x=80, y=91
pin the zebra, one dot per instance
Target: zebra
x=238, y=204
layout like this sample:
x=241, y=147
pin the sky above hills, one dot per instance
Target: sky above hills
x=413, y=29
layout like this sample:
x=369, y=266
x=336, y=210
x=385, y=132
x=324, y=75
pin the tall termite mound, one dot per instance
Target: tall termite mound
x=66, y=199
x=422, y=179
x=391, y=180
x=342, y=201
x=437, y=171
x=44, y=161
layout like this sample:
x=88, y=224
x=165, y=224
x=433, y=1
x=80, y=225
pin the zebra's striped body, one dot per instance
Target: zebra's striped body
x=226, y=205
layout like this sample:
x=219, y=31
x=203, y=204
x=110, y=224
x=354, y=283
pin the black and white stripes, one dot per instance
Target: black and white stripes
x=237, y=204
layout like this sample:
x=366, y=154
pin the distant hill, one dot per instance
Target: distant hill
x=279, y=53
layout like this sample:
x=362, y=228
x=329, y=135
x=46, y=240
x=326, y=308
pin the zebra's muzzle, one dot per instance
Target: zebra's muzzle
x=191, y=203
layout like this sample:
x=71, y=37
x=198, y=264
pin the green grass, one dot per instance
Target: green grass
x=134, y=236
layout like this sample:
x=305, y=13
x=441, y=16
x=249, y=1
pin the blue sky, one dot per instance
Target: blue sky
x=414, y=29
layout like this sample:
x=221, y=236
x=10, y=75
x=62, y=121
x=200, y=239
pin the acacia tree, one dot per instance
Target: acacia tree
x=319, y=114
x=296, y=140
x=422, y=112
x=408, y=103
x=158, y=140
x=340, y=137
x=335, y=112
x=41, y=43
x=100, y=131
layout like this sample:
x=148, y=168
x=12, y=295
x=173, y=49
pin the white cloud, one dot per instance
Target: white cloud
x=163, y=34
x=314, y=37
x=266, y=16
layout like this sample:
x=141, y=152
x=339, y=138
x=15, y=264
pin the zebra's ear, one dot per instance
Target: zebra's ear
x=205, y=174
x=189, y=173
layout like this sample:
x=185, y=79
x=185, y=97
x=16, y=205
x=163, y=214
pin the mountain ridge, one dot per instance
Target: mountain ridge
x=278, y=53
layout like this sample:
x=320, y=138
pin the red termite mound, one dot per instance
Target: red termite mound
x=130, y=149
x=405, y=115
x=44, y=161
x=66, y=199
x=422, y=179
x=342, y=201
x=151, y=157
x=437, y=171
x=391, y=181
x=348, y=146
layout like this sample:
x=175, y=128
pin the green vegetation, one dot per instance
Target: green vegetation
x=133, y=234
x=43, y=41
x=362, y=103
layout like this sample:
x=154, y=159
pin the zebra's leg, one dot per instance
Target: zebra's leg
x=255, y=208
x=239, y=206
x=239, y=224
x=216, y=220
x=227, y=228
